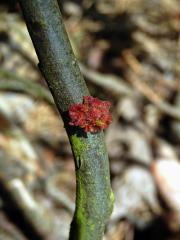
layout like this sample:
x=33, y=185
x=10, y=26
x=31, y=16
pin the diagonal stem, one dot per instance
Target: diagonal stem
x=94, y=198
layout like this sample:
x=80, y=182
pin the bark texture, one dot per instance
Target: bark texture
x=94, y=198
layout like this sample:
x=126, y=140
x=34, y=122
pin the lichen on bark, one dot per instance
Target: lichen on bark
x=60, y=69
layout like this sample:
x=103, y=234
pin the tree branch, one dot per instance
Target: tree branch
x=94, y=198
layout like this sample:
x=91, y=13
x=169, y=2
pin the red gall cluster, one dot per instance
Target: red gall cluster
x=92, y=115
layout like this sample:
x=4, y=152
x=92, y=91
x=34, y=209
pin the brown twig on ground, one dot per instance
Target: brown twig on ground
x=15, y=193
x=143, y=88
x=10, y=81
x=108, y=82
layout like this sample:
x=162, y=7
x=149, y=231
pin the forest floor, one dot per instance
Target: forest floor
x=129, y=54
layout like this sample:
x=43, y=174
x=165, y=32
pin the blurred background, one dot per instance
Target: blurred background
x=129, y=54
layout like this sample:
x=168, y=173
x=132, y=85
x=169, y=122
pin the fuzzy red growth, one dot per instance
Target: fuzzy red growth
x=92, y=115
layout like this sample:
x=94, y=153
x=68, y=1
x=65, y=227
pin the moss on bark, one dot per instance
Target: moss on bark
x=94, y=198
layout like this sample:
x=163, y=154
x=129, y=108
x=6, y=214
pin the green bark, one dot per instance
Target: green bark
x=94, y=198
